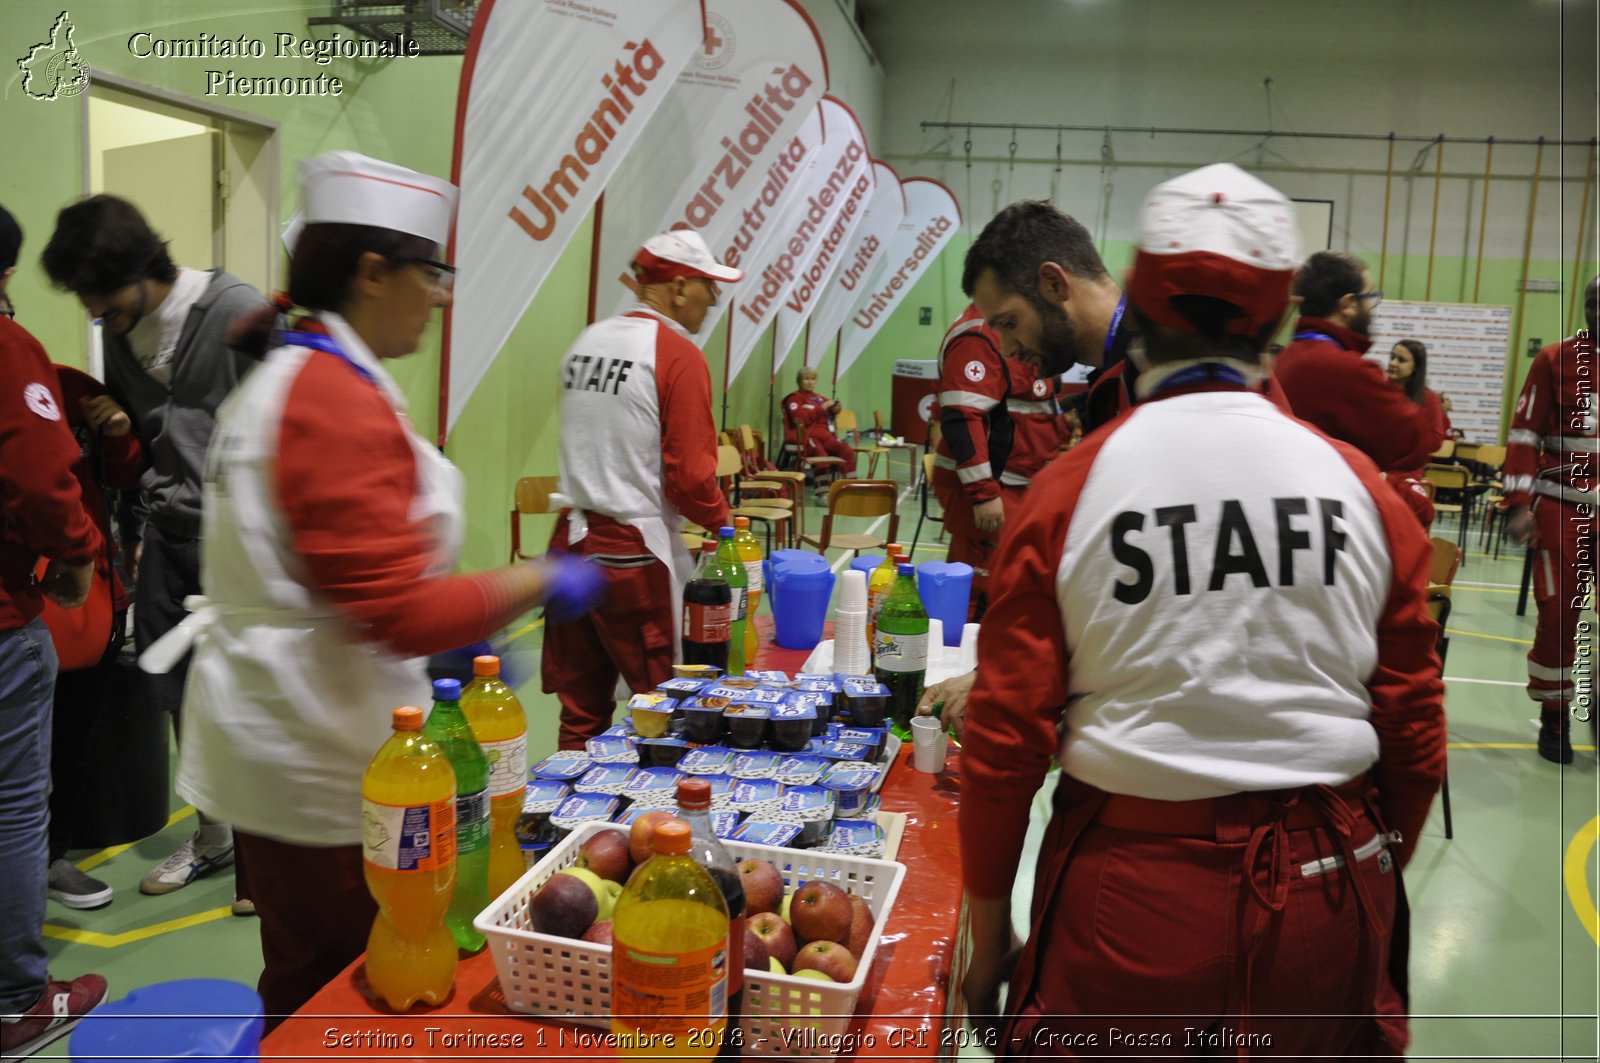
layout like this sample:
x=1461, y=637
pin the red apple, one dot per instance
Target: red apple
x=860, y=935
x=599, y=933
x=607, y=855
x=776, y=935
x=564, y=906
x=828, y=957
x=763, y=885
x=640, y=846
x=820, y=912
x=755, y=951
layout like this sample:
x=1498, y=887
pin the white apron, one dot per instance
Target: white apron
x=286, y=703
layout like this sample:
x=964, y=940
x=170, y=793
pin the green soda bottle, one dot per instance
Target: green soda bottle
x=447, y=726
x=731, y=568
x=900, y=649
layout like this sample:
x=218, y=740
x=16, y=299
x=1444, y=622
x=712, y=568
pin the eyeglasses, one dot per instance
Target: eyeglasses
x=440, y=274
x=1376, y=295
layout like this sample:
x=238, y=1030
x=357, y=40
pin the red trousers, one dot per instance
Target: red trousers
x=967, y=543
x=1252, y=940
x=630, y=635
x=1563, y=576
x=820, y=443
x=315, y=915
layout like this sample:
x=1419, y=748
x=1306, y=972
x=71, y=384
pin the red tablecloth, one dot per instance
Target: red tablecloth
x=901, y=1012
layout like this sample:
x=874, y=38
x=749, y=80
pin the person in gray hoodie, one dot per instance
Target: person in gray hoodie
x=168, y=364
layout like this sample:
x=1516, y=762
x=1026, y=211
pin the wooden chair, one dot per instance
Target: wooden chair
x=775, y=516
x=858, y=498
x=1441, y=579
x=1465, y=451
x=1446, y=451
x=845, y=421
x=753, y=450
x=530, y=497
x=1452, y=478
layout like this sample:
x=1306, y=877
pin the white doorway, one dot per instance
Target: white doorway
x=205, y=177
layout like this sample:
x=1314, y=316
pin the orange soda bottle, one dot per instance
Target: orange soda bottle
x=669, y=955
x=748, y=547
x=408, y=841
x=501, y=728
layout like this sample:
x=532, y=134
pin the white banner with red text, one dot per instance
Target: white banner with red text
x=884, y=215
x=931, y=221
x=814, y=225
x=723, y=131
x=554, y=93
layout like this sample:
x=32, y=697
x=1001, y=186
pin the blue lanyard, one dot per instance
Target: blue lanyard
x=1209, y=373
x=1116, y=321
x=1310, y=335
x=321, y=342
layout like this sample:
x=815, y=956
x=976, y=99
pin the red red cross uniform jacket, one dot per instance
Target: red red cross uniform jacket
x=975, y=379
x=41, y=504
x=1550, y=465
x=1329, y=384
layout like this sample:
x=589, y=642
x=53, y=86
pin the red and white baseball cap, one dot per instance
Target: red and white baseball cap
x=1217, y=232
x=680, y=253
x=343, y=186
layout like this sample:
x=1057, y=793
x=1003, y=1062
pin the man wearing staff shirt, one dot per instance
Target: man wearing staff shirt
x=638, y=457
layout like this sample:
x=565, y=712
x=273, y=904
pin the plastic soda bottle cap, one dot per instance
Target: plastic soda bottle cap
x=486, y=665
x=905, y=568
x=741, y=522
x=694, y=793
x=407, y=718
x=671, y=837
x=725, y=532
x=447, y=690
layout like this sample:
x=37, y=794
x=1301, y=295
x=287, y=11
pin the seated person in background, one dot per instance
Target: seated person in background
x=1445, y=406
x=806, y=419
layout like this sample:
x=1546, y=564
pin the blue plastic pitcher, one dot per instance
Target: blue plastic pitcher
x=196, y=1018
x=800, y=584
x=945, y=588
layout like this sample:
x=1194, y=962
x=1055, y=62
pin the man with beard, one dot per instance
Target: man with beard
x=1037, y=280
x=169, y=366
x=1330, y=384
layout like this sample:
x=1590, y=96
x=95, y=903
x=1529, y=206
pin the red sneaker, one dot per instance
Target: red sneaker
x=53, y=1015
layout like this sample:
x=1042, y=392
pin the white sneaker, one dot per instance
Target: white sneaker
x=184, y=866
x=75, y=889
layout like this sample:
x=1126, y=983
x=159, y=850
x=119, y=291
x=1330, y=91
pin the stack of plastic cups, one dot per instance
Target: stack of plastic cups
x=850, y=654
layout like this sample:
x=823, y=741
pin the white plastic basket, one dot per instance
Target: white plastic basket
x=542, y=974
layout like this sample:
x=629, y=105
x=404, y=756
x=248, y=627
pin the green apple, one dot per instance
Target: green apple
x=774, y=967
x=810, y=973
x=604, y=898
x=783, y=909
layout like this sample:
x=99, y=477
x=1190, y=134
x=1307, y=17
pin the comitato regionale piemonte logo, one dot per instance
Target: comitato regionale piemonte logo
x=54, y=69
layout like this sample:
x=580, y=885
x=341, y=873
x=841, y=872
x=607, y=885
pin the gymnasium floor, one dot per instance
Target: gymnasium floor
x=1504, y=957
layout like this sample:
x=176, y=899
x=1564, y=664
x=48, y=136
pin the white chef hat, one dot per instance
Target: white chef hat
x=344, y=186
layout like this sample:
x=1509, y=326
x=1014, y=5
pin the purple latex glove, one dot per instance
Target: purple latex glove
x=573, y=586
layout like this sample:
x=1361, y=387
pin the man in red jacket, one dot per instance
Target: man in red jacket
x=1330, y=384
x=1550, y=488
x=998, y=427
x=638, y=455
x=1214, y=620
x=41, y=515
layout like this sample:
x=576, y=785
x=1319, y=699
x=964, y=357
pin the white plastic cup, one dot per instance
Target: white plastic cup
x=852, y=590
x=929, y=744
